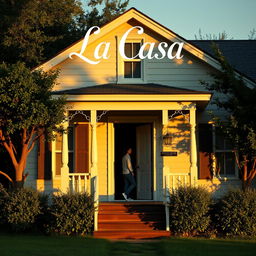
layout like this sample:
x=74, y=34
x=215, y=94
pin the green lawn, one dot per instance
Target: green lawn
x=74, y=246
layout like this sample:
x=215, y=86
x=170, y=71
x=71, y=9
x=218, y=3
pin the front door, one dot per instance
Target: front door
x=144, y=161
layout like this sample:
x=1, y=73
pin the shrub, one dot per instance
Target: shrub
x=21, y=209
x=236, y=213
x=189, y=210
x=72, y=214
x=3, y=198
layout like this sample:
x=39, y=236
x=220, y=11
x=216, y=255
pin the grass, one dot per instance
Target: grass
x=73, y=246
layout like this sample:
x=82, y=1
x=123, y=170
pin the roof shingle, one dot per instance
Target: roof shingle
x=241, y=54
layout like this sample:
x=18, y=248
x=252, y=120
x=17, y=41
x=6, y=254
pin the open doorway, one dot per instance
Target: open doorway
x=138, y=136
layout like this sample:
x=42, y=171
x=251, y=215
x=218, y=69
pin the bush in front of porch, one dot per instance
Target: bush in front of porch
x=28, y=210
x=72, y=214
x=189, y=210
x=235, y=213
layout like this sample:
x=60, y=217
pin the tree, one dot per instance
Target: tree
x=27, y=110
x=252, y=34
x=110, y=10
x=238, y=100
x=33, y=31
x=221, y=36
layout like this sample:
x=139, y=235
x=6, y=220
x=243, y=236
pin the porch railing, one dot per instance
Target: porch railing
x=79, y=182
x=95, y=194
x=171, y=182
x=83, y=182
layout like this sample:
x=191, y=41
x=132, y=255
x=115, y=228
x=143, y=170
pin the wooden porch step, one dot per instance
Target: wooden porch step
x=117, y=234
x=130, y=207
x=156, y=216
x=131, y=220
x=130, y=225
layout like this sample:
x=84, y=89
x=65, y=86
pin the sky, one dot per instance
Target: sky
x=185, y=17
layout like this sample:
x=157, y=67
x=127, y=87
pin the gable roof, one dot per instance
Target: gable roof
x=149, y=88
x=241, y=54
x=133, y=13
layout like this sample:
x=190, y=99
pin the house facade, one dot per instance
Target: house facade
x=158, y=107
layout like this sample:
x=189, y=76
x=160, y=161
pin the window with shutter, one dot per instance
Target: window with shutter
x=205, y=139
x=44, y=170
x=81, y=134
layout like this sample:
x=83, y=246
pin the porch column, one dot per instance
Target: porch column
x=94, y=155
x=165, y=120
x=193, y=147
x=65, y=168
x=94, y=167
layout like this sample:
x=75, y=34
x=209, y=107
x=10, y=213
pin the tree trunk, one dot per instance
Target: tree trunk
x=245, y=173
x=20, y=168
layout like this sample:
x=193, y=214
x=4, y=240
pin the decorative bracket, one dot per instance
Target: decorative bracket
x=178, y=112
x=87, y=117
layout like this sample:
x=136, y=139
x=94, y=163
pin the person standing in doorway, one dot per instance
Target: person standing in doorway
x=129, y=180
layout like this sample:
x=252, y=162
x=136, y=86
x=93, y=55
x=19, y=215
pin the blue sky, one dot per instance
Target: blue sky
x=185, y=17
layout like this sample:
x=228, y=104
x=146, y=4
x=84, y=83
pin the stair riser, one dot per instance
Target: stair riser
x=130, y=217
x=144, y=208
x=131, y=235
x=130, y=226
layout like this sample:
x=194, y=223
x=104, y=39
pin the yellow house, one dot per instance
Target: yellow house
x=158, y=107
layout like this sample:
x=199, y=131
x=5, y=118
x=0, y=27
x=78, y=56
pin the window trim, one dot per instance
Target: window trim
x=121, y=61
x=54, y=150
x=223, y=176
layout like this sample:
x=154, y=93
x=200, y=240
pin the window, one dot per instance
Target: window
x=58, y=151
x=225, y=158
x=132, y=68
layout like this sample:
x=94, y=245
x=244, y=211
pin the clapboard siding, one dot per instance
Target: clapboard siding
x=184, y=73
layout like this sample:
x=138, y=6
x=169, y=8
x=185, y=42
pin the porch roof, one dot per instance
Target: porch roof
x=149, y=88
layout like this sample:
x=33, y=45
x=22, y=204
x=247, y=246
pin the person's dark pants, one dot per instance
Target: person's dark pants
x=129, y=183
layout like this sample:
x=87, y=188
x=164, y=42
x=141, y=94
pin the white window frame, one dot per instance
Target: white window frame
x=215, y=150
x=121, y=61
x=55, y=151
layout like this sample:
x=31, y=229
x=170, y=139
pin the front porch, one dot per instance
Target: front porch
x=161, y=126
x=165, y=171
x=101, y=182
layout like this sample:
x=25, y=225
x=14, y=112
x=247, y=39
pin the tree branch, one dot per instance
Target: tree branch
x=7, y=176
x=31, y=135
x=34, y=141
x=237, y=160
x=24, y=136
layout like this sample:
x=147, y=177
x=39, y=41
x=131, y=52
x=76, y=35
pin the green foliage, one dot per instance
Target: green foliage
x=29, y=26
x=33, y=31
x=21, y=209
x=239, y=102
x=236, y=213
x=3, y=197
x=237, y=98
x=110, y=10
x=25, y=99
x=72, y=214
x=189, y=210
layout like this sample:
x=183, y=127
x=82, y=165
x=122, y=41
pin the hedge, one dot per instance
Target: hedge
x=189, y=210
x=235, y=213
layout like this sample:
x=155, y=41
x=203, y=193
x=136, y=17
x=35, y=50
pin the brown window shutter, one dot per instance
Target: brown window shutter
x=82, y=148
x=44, y=159
x=205, y=136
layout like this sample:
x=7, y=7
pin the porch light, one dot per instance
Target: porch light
x=167, y=139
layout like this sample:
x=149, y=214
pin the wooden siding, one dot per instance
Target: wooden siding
x=184, y=73
x=179, y=129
